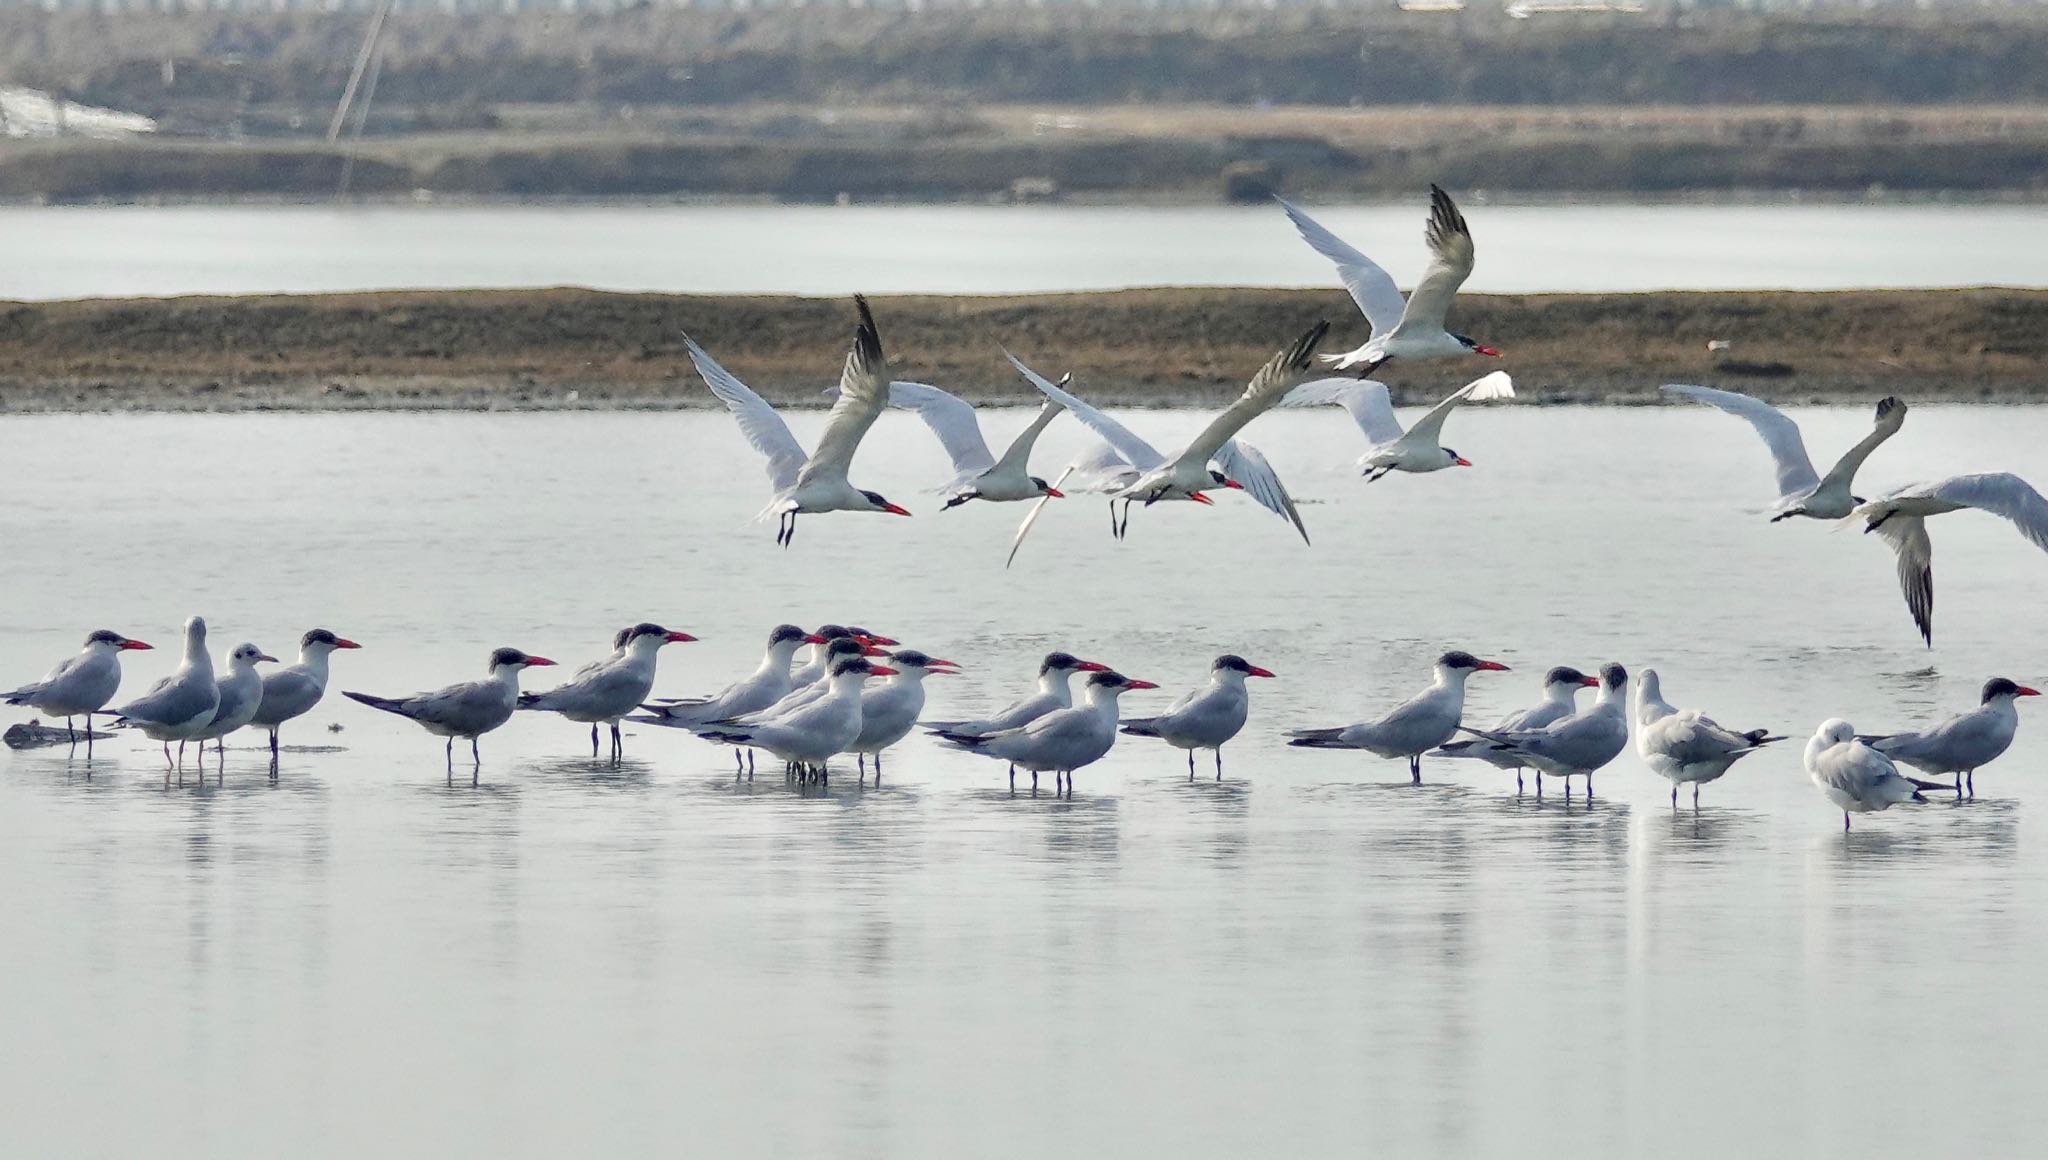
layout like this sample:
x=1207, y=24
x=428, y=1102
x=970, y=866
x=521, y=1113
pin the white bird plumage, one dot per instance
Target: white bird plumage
x=1393, y=449
x=1685, y=745
x=1901, y=518
x=1801, y=490
x=1857, y=778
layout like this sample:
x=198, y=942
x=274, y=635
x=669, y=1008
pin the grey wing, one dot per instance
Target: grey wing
x=286, y=694
x=2002, y=494
x=1135, y=451
x=952, y=419
x=1450, y=263
x=1367, y=400
x=1796, y=476
x=1019, y=453
x=863, y=393
x=763, y=428
x=1370, y=286
x=1908, y=537
x=1891, y=415
x=1497, y=385
x=1281, y=374
x=1247, y=465
x=172, y=700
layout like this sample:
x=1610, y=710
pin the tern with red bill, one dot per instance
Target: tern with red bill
x=767, y=684
x=1417, y=725
x=1207, y=717
x=1576, y=746
x=1055, y=692
x=469, y=709
x=1061, y=741
x=81, y=685
x=1131, y=470
x=1801, y=490
x=1413, y=450
x=1561, y=687
x=1408, y=330
x=890, y=709
x=977, y=473
x=602, y=692
x=836, y=650
x=1685, y=745
x=1964, y=743
x=809, y=737
x=292, y=691
x=817, y=481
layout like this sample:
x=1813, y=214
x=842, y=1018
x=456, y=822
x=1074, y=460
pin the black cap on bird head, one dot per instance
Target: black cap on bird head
x=785, y=632
x=512, y=656
x=1613, y=677
x=2001, y=687
x=1566, y=675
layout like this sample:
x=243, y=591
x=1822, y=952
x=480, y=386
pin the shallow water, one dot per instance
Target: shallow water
x=121, y=251
x=1309, y=956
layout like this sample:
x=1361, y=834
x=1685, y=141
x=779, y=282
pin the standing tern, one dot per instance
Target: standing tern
x=1132, y=470
x=977, y=473
x=81, y=685
x=1963, y=743
x=840, y=649
x=1417, y=725
x=1055, y=692
x=469, y=709
x=1801, y=491
x=1901, y=518
x=241, y=693
x=819, y=663
x=815, y=482
x=294, y=690
x=767, y=684
x=1561, y=687
x=1393, y=449
x=181, y=705
x=1411, y=329
x=1061, y=741
x=1857, y=778
x=889, y=710
x=811, y=736
x=1207, y=717
x=1578, y=745
x=1685, y=745
x=605, y=691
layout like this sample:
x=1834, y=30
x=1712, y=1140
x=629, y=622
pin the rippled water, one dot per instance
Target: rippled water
x=73, y=252
x=1310, y=956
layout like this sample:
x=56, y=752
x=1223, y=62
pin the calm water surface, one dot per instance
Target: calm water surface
x=1308, y=958
x=74, y=252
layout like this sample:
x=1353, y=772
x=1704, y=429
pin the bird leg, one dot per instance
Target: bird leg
x=1219, y=763
x=1034, y=783
x=1191, y=765
x=73, y=737
x=1674, y=795
x=1415, y=769
x=1695, y=797
x=451, y=755
x=593, y=740
x=475, y=756
x=618, y=743
x=1972, y=775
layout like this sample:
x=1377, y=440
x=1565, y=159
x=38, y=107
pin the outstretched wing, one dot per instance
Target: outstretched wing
x=1281, y=374
x=1908, y=537
x=1018, y=455
x=1450, y=263
x=1135, y=451
x=1247, y=465
x=952, y=419
x=1796, y=476
x=863, y=392
x=1367, y=400
x=1493, y=386
x=1371, y=287
x=1891, y=415
x=763, y=428
x=2000, y=493
x=1099, y=469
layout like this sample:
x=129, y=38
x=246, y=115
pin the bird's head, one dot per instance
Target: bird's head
x=1475, y=346
x=878, y=504
x=1047, y=489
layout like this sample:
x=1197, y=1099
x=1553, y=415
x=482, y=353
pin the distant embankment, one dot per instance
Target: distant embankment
x=532, y=348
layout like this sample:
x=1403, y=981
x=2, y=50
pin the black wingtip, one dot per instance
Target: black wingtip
x=867, y=337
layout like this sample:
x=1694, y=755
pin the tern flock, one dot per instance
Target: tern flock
x=860, y=693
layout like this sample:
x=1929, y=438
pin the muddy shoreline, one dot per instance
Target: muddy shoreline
x=565, y=348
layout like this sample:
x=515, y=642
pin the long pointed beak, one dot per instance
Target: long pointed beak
x=874, y=651
x=1055, y=493
x=681, y=637
x=1464, y=462
x=1198, y=497
x=543, y=661
x=1495, y=667
x=344, y=642
x=1488, y=351
x=1092, y=667
x=814, y=638
x=266, y=657
x=1590, y=682
x=895, y=509
x=1256, y=671
x=1136, y=684
x=881, y=671
x=2027, y=692
x=1233, y=484
x=134, y=644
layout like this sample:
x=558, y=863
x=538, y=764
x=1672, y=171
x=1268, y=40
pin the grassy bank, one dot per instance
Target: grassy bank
x=534, y=348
